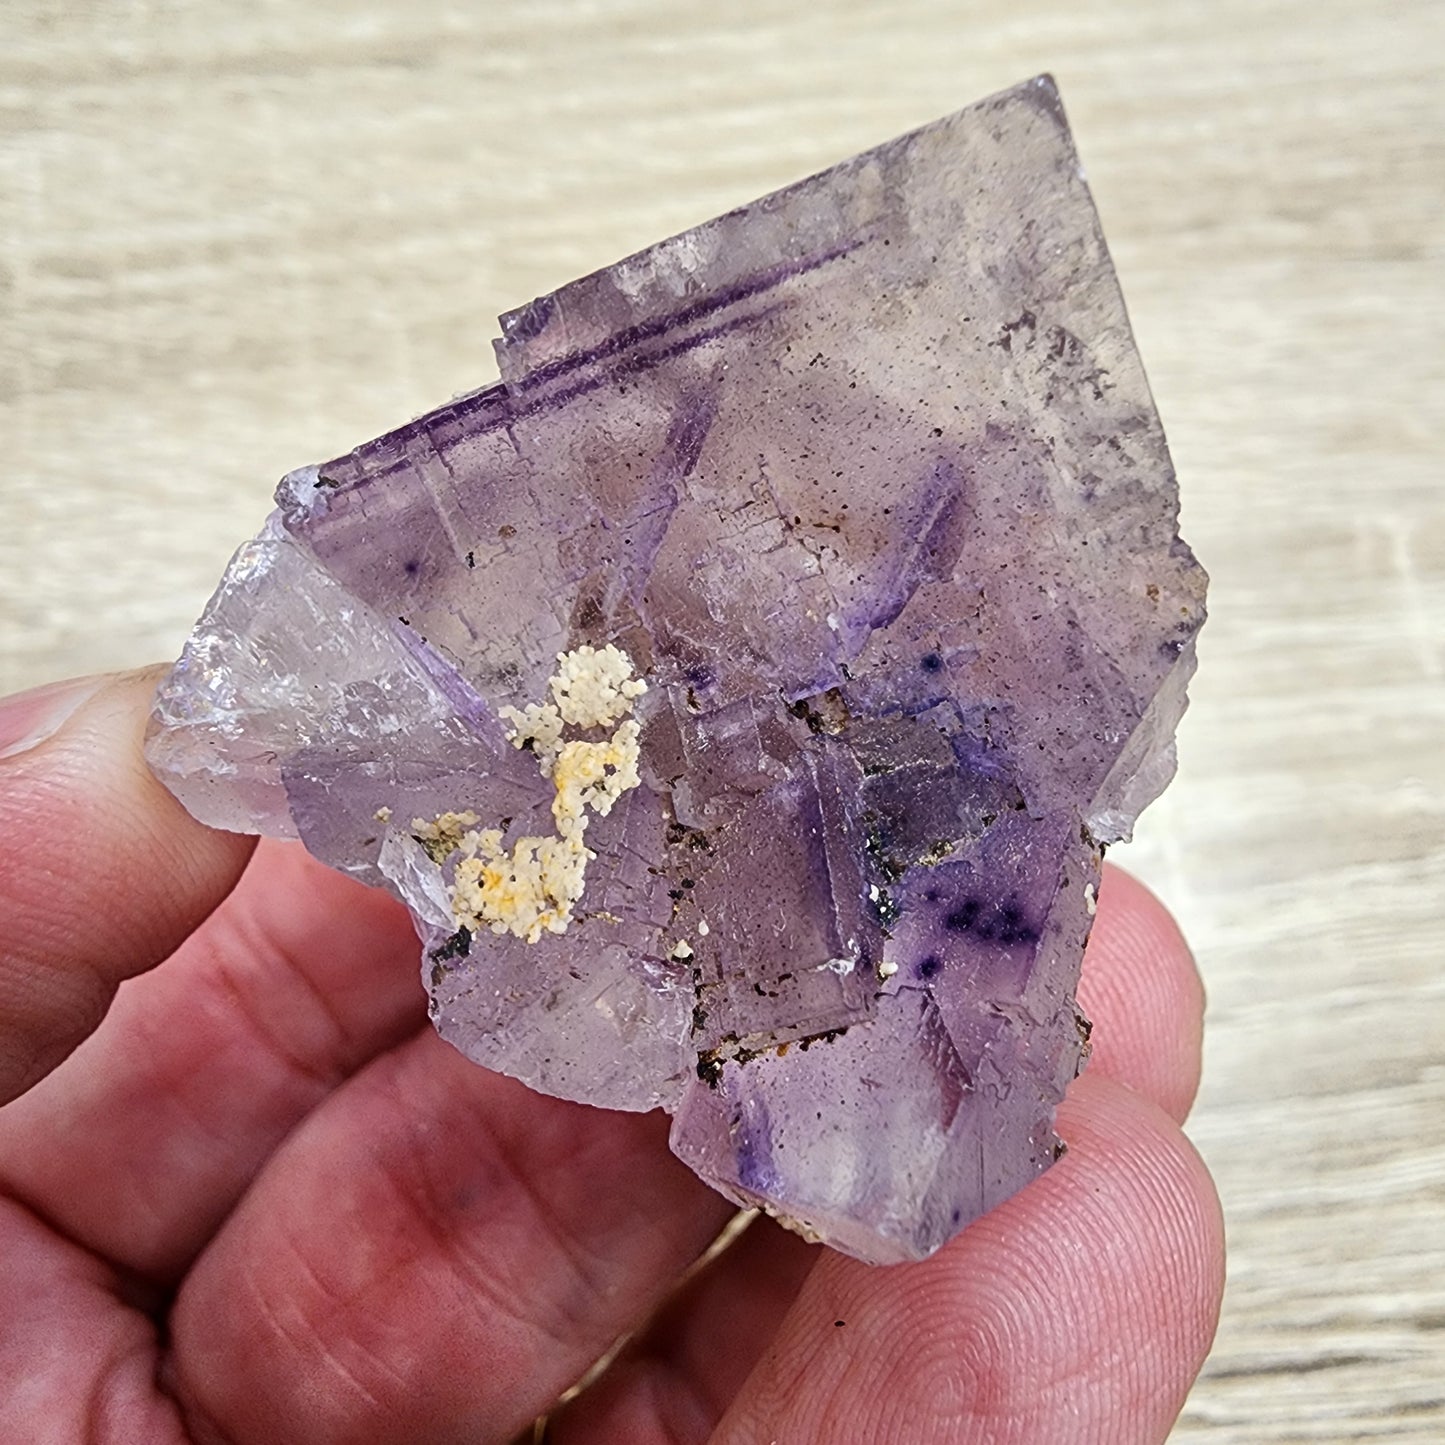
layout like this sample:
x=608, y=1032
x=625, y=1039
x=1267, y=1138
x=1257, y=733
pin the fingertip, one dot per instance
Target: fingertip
x=1078, y=1311
x=1143, y=993
x=102, y=873
x=1099, y=1286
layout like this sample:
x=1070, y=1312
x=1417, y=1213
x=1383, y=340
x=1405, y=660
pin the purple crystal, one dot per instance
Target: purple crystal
x=864, y=482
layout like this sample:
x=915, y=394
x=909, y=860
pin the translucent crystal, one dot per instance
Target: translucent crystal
x=864, y=485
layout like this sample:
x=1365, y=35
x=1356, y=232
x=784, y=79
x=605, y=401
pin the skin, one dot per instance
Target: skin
x=246, y=1195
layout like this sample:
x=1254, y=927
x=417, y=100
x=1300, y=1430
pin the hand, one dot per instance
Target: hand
x=260, y=1200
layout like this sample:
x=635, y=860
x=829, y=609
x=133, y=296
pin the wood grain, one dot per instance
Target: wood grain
x=235, y=238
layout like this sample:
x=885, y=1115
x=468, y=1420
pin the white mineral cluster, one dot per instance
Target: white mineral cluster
x=532, y=888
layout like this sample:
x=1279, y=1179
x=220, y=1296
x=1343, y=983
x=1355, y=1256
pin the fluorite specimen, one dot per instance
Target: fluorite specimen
x=741, y=692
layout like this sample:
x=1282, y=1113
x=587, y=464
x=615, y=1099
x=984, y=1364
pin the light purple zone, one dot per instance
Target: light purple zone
x=884, y=433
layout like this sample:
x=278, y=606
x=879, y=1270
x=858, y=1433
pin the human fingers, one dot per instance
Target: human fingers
x=431, y=1256
x=1142, y=990
x=1078, y=1312
x=676, y=1379
x=76, y=1363
x=102, y=872
x=206, y=1063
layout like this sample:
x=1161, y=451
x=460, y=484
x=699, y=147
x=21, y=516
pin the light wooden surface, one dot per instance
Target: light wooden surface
x=235, y=238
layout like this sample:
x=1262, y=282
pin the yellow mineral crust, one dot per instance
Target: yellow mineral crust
x=531, y=889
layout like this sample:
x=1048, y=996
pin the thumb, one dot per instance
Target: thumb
x=102, y=872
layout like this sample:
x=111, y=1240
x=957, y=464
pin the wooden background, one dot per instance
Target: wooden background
x=239, y=237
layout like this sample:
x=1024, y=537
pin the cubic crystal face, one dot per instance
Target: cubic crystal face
x=861, y=492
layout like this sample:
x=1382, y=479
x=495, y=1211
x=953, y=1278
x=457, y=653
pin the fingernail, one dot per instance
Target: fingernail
x=29, y=718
